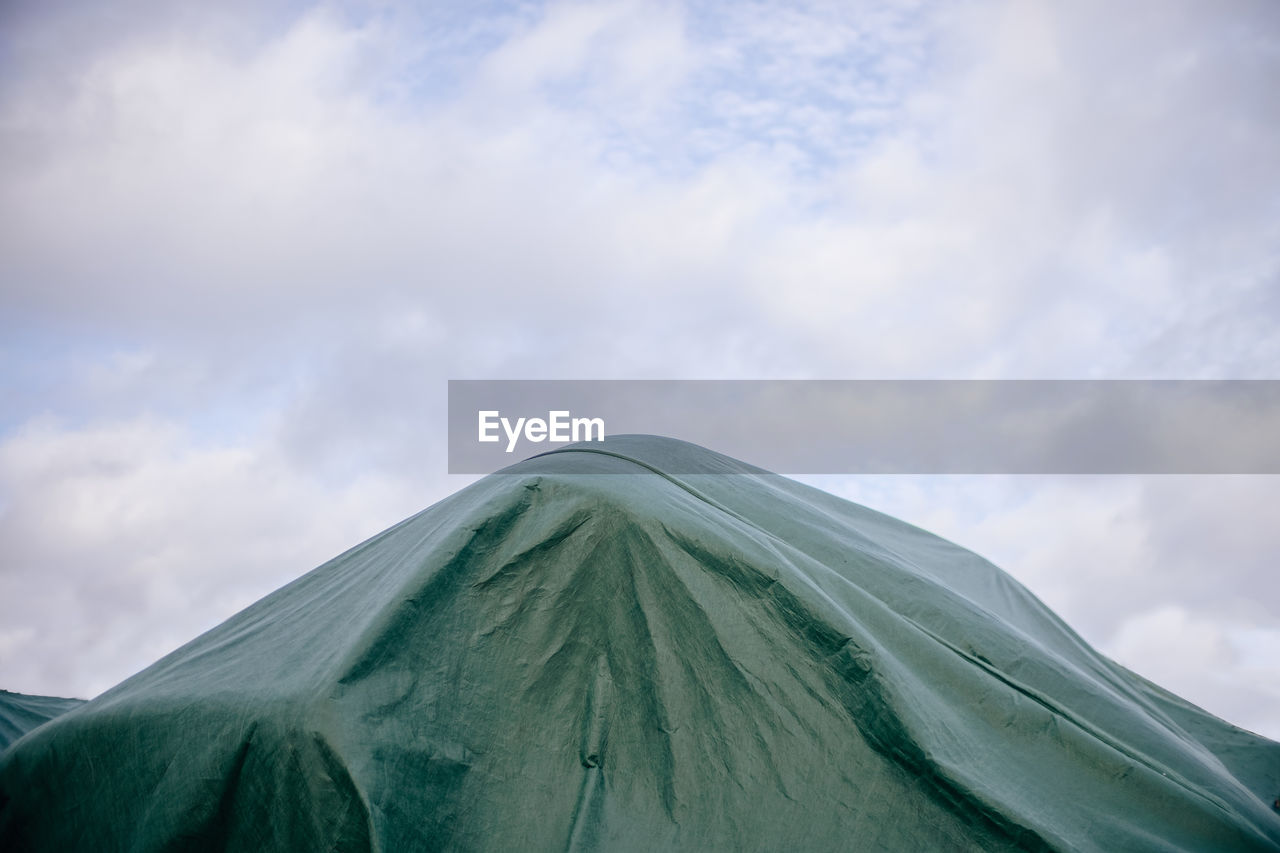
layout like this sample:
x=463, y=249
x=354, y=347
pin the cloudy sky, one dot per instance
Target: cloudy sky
x=243, y=246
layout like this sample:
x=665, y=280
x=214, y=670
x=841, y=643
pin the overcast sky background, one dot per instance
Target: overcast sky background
x=243, y=246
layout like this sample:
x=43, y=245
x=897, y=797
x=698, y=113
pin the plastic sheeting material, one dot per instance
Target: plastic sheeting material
x=634, y=661
x=20, y=713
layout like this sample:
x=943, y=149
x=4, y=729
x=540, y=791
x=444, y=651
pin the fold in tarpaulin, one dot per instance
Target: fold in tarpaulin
x=21, y=712
x=638, y=661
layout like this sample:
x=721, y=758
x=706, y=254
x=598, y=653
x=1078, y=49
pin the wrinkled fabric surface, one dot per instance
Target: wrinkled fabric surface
x=583, y=653
x=22, y=712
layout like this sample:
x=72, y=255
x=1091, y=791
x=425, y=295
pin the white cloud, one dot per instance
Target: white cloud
x=124, y=540
x=619, y=55
x=978, y=224
x=1052, y=204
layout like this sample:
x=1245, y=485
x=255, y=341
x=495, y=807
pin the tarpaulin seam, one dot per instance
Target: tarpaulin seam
x=1033, y=694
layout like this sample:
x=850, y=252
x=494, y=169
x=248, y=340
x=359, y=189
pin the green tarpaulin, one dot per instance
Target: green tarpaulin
x=585, y=653
x=20, y=713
